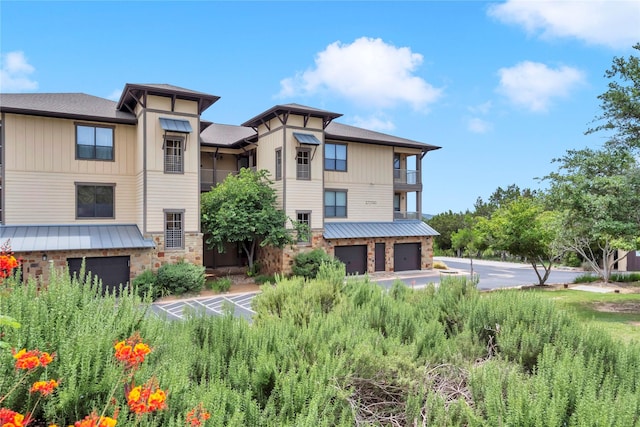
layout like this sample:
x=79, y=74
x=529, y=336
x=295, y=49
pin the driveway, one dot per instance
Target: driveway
x=492, y=274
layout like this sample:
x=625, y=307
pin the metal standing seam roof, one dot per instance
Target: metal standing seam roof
x=176, y=125
x=351, y=230
x=29, y=238
x=306, y=138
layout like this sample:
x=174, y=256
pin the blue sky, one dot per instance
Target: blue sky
x=503, y=87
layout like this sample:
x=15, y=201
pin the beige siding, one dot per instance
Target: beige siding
x=266, y=159
x=172, y=191
x=155, y=139
x=366, y=202
x=186, y=107
x=50, y=198
x=158, y=103
x=41, y=171
x=366, y=164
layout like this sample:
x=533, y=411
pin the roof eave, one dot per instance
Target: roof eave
x=424, y=147
x=60, y=115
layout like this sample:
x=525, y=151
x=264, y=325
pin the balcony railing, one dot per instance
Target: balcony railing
x=406, y=176
x=212, y=177
x=400, y=215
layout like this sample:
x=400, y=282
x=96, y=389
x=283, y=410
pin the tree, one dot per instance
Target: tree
x=523, y=228
x=597, y=195
x=470, y=238
x=243, y=209
x=621, y=103
x=499, y=198
x=446, y=223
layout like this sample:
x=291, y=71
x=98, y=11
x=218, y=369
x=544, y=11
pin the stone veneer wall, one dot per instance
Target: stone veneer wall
x=426, y=261
x=141, y=259
x=274, y=260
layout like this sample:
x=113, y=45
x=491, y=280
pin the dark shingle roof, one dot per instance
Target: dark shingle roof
x=132, y=93
x=29, y=238
x=351, y=133
x=219, y=135
x=291, y=108
x=353, y=230
x=65, y=105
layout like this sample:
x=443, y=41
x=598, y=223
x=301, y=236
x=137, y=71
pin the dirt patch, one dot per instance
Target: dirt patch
x=240, y=283
x=618, y=307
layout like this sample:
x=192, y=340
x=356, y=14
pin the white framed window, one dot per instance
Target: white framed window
x=174, y=229
x=278, y=164
x=173, y=154
x=303, y=163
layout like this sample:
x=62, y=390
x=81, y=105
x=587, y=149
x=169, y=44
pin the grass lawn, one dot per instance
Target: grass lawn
x=619, y=314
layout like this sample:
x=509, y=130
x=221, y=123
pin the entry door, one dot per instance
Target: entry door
x=380, y=257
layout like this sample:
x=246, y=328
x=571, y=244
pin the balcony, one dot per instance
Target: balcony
x=212, y=177
x=401, y=215
x=406, y=179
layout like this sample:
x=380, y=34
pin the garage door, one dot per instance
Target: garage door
x=633, y=261
x=406, y=256
x=354, y=258
x=112, y=271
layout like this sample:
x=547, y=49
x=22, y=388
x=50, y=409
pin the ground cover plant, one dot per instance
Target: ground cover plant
x=324, y=353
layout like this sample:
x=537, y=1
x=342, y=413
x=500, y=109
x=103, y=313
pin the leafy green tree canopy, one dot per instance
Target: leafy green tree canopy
x=243, y=209
x=597, y=194
x=621, y=103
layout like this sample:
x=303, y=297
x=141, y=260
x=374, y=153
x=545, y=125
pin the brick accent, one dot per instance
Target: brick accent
x=141, y=259
x=275, y=260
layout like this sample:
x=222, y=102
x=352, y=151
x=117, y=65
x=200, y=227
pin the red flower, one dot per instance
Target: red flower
x=147, y=398
x=197, y=416
x=9, y=418
x=31, y=359
x=44, y=387
x=132, y=351
x=94, y=421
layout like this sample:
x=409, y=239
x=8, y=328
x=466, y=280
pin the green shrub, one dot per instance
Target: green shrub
x=625, y=277
x=586, y=278
x=307, y=264
x=222, y=284
x=263, y=278
x=571, y=259
x=145, y=285
x=180, y=278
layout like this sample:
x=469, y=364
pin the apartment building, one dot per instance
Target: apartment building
x=119, y=183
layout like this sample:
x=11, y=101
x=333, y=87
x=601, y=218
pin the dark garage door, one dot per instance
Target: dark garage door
x=406, y=256
x=111, y=270
x=633, y=261
x=354, y=258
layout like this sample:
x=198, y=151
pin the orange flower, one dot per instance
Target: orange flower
x=145, y=399
x=132, y=351
x=8, y=418
x=197, y=416
x=31, y=359
x=44, y=387
x=93, y=420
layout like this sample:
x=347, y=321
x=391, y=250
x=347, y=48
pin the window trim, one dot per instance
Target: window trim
x=95, y=126
x=346, y=202
x=335, y=159
x=173, y=138
x=307, y=151
x=182, y=234
x=278, y=161
x=309, y=237
x=95, y=184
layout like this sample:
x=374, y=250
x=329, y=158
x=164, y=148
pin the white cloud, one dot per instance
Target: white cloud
x=477, y=125
x=367, y=71
x=115, y=95
x=483, y=108
x=376, y=122
x=15, y=73
x=615, y=24
x=534, y=85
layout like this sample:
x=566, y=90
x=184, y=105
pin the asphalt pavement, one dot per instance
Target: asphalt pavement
x=492, y=275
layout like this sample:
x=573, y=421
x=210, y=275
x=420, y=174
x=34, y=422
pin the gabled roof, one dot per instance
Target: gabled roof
x=344, y=132
x=219, y=135
x=353, y=230
x=29, y=238
x=302, y=110
x=65, y=105
x=133, y=93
